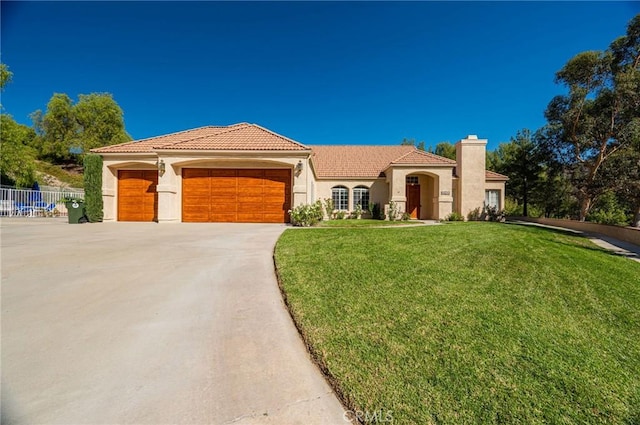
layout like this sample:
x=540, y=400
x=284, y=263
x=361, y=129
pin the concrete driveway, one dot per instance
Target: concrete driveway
x=122, y=323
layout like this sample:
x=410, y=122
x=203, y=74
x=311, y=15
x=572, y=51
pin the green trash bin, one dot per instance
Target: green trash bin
x=75, y=211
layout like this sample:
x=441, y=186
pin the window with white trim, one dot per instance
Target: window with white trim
x=361, y=197
x=340, y=196
x=492, y=198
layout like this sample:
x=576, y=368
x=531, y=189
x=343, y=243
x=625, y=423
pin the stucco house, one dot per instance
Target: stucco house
x=246, y=173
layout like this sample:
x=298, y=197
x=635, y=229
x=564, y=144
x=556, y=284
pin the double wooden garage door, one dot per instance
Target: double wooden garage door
x=236, y=195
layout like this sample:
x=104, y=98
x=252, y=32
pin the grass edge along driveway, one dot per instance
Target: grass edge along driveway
x=468, y=322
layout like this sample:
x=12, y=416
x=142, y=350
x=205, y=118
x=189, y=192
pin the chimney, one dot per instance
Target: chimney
x=470, y=169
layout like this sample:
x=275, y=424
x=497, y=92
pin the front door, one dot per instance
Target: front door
x=413, y=200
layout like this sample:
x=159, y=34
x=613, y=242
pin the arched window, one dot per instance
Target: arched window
x=340, y=196
x=361, y=197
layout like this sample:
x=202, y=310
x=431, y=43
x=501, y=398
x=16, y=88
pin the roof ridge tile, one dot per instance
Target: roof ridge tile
x=226, y=129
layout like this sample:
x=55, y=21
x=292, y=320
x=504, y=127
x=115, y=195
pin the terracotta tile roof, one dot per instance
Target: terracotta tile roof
x=241, y=136
x=491, y=175
x=367, y=161
x=419, y=157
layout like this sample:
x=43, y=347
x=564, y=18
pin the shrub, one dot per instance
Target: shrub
x=306, y=215
x=454, y=216
x=474, y=215
x=607, y=210
x=612, y=217
x=93, y=187
x=328, y=207
x=512, y=208
x=406, y=216
x=357, y=213
x=340, y=215
x=493, y=213
x=376, y=212
x=393, y=211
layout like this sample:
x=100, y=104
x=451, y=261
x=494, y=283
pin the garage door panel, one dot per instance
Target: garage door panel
x=223, y=191
x=236, y=195
x=195, y=172
x=250, y=207
x=251, y=191
x=137, y=195
x=223, y=218
x=250, y=218
x=202, y=217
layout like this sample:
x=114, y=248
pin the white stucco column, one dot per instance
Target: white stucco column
x=301, y=181
x=444, y=197
x=109, y=185
x=167, y=189
x=397, y=179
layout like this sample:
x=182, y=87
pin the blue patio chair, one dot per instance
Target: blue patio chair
x=23, y=209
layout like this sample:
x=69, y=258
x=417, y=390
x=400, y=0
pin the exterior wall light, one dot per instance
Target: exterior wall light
x=161, y=167
x=299, y=167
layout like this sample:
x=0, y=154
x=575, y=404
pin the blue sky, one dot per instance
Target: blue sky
x=318, y=72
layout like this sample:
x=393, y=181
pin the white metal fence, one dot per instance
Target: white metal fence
x=31, y=203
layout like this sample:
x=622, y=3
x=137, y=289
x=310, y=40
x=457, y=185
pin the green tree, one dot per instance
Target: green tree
x=67, y=131
x=624, y=170
x=520, y=160
x=599, y=116
x=17, y=164
x=412, y=142
x=444, y=149
x=5, y=75
x=57, y=128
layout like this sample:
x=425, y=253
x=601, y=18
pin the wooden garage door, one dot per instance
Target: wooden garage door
x=137, y=196
x=236, y=195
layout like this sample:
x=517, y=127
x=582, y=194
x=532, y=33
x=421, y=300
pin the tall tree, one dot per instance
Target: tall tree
x=57, y=128
x=520, y=160
x=599, y=116
x=66, y=129
x=17, y=164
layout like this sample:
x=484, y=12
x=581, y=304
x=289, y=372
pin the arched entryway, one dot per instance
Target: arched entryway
x=421, y=191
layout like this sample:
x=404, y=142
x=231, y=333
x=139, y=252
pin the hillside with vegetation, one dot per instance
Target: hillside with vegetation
x=52, y=150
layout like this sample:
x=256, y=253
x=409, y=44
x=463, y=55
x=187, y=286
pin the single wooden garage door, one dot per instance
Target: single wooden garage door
x=137, y=196
x=236, y=195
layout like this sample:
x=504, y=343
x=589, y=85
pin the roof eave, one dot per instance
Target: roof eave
x=421, y=165
x=123, y=153
x=232, y=151
x=349, y=177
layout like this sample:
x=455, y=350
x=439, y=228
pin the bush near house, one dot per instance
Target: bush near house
x=93, y=187
x=306, y=215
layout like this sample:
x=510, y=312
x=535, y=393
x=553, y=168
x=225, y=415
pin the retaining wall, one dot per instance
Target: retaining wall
x=627, y=234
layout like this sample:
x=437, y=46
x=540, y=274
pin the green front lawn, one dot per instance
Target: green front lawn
x=469, y=323
x=364, y=222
